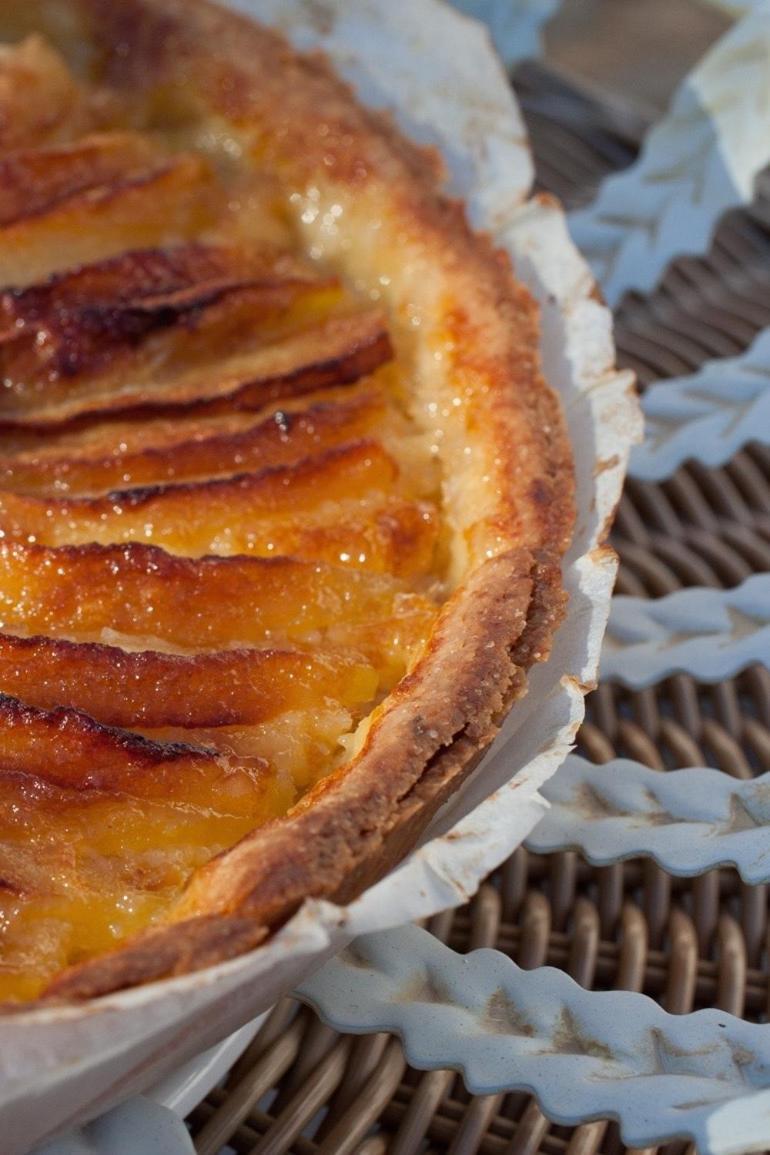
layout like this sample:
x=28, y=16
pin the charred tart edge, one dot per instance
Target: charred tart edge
x=432, y=730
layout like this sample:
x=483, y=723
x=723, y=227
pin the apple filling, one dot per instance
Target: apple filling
x=221, y=539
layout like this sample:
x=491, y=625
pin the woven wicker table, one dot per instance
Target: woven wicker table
x=688, y=943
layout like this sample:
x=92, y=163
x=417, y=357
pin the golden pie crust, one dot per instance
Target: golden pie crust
x=278, y=460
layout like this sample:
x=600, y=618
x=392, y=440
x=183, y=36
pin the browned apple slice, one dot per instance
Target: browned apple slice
x=97, y=840
x=79, y=321
x=331, y=351
x=166, y=451
x=66, y=748
x=139, y=592
x=224, y=688
x=35, y=180
x=306, y=509
x=40, y=101
x=383, y=535
x=100, y=222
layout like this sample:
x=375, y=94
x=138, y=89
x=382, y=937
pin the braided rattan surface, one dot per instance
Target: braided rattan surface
x=686, y=942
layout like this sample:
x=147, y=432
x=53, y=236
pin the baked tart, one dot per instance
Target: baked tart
x=283, y=493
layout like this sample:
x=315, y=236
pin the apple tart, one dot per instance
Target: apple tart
x=283, y=493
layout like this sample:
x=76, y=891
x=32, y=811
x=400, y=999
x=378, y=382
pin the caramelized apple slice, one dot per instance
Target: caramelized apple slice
x=102, y=221
x=383, y=535
x=35, y=180
x=332, y=351
x=105, y=435
x=165, y=451
x=225, y=688
x=96, y=841
x=96, y=593
x=66, y=748
x=40, y=101
x=302, y=744
x=79, y=321
x=305, y=509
